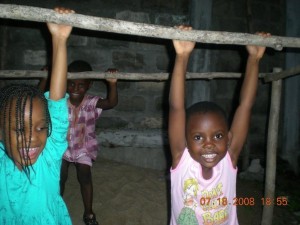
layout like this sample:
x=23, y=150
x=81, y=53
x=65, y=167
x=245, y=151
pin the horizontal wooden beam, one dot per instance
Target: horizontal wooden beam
x=33, y=74
x=282, y=74
x=29, y=13
x=29, y=74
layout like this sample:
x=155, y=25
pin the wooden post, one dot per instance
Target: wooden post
x=271, y=152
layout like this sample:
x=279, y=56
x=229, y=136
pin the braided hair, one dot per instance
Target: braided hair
x=14, y=98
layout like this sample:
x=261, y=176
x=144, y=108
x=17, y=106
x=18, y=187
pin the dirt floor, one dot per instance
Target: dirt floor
x=128, y=195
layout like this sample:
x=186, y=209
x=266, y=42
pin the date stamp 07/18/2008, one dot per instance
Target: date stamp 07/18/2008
x=246, y=201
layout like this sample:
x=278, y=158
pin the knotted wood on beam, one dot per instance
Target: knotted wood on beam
x=29, y=13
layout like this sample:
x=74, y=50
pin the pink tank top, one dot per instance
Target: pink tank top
x=197, y=201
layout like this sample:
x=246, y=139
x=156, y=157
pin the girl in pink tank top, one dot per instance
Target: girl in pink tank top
x=204, y=148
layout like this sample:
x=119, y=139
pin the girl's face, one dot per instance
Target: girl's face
x=35, y=136
x=77, y=89
x=207, y=138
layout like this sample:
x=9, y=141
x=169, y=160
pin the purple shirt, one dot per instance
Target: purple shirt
x=81, y=136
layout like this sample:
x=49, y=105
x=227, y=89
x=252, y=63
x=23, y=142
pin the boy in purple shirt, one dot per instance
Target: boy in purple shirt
x=84, y=110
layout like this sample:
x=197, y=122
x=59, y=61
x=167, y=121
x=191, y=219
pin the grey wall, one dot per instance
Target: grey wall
x=291, y=100
x=135, y=130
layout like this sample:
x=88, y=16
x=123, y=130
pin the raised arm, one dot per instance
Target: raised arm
x=240, y=125
x=112, y=96
x=60, y=34
x=176, y=126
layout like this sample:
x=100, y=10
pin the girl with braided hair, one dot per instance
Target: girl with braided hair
x=33, y=131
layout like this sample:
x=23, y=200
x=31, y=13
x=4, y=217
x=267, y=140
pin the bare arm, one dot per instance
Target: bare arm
x=176, y=127
x=42, y=84
x=241, y=120
x=60, y=34
x=112, y=96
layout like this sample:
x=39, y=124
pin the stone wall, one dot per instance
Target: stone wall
x=135, y=131
x=232, y=16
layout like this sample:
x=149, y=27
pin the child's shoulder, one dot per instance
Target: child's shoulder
x=90, y=100
x=90, y=96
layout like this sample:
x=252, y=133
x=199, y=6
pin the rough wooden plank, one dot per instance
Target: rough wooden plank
x=29, y=13
x=282, y=74
x=30, y=74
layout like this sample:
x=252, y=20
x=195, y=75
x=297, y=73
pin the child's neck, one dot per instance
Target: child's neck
x=207, y=172
x=75, y=103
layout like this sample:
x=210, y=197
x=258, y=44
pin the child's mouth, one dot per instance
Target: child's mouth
x=209, y=157
x=32, y=153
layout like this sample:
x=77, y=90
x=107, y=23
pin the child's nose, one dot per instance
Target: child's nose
x=209, y=146
x=33, y=137
x=208, y=143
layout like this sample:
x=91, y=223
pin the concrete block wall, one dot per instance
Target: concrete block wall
x=135, y=131
x=232, y=16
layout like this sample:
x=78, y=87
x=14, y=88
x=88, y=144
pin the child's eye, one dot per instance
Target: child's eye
x=219, y=136
x=42, y=128
x=198, y=138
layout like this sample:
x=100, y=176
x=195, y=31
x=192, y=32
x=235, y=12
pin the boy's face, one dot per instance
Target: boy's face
x=207, y=138
x=39, y=131
x=77, y=89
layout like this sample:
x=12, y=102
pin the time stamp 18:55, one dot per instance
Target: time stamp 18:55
x=246, y=201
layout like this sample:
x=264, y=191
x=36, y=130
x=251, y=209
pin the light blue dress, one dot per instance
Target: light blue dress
x=37, y=200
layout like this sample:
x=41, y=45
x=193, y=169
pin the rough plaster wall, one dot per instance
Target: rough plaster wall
x=291, y=102
x=142, y=110
x=200, y=61
x=231, y=15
